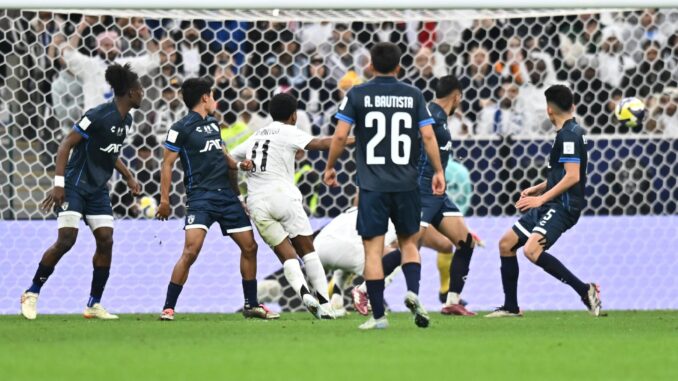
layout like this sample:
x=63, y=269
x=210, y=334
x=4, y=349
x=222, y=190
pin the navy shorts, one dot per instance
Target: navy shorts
x=97, y=203
x=434, y=208
x=375, y=209
x=550, y=220
x=221, y=206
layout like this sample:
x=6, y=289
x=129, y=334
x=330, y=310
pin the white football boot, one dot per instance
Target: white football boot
x=373, y=323
x=29, y=305
x=97, y=311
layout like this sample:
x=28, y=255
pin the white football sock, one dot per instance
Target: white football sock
x=338, y=279
x=362, y=287
x=453, y=298
x=316, y=274
x=294, y=276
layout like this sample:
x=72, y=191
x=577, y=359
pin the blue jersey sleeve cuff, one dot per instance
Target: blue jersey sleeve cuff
x=345, y=118
x=426, y=122
x=171, y=147
x=80, y=131
x=569, y=160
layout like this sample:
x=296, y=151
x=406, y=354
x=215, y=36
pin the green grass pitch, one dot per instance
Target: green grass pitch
x=541, y=346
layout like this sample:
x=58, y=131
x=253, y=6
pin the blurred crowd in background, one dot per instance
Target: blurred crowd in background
x=52, y=65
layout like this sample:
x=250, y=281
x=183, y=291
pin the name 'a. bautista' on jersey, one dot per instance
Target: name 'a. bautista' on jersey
x=384, y=112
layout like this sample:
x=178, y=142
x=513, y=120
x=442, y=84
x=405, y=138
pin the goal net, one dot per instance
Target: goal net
x=504, y=59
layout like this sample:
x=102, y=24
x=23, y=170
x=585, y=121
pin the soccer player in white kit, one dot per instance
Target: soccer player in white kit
x=275, y=203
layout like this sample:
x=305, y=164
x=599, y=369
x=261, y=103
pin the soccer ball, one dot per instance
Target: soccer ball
x=630, y=112
x=148, y=206
x=269, y=291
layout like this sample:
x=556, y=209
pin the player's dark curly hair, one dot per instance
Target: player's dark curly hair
x=193, y=89
x=121, y=78
x=282, y=106
x=447, y=85
x=385, y=57
x=561, y=96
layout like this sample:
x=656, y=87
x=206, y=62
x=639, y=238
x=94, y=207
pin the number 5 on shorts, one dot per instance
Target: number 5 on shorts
x=547, y=217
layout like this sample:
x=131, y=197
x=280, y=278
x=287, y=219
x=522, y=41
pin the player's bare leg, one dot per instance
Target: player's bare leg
x=66, y=238
x=248, y=271
x=292, y=270
x=456, y=231
x=509, y=276
x=589, y=292
x=102, y=266
x=315, y=272
x=411, y=266
x=194, y=239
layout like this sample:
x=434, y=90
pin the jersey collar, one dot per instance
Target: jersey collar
x=385, y=79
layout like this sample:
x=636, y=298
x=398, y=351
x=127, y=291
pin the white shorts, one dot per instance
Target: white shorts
x=341, y=254
x=71, y=219
x=278, y=217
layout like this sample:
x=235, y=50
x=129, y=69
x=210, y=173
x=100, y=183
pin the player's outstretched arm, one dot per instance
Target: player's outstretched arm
x=168, y=159
x=428, y=138
x=325, y=143
x=132, y=183
x=339, y=141
x=57, y=195
x=570, y=179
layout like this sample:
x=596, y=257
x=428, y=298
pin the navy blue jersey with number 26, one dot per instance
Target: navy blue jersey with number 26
x=387, y=115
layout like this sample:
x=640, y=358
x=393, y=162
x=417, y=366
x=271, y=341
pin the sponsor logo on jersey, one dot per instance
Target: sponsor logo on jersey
x=211, y=144
x=112, y=148
x=208, y=129
x=447, y=147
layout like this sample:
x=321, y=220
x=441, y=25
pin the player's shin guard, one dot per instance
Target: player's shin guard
x=459, y=269
x=375, y=292
x=509, y=279
x=99, y=279
x=412, y=272
x=294, y=276
x=555, y=268
x=41, y=275
x=316, y=275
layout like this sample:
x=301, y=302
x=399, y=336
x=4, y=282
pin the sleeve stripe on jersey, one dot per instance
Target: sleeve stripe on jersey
x=569, y=160
x=345, y=118
x=426, y=122
x=172, y=147
x=80, y=131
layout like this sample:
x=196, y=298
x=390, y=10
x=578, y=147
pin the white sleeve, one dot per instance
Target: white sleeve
x=298, y=139
x=77, y=62
x=143, y=64
x=239, y=153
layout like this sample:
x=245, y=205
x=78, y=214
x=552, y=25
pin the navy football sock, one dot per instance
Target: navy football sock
x=509, y=279
x=41, y=275
x=412, y=272
x=391, y=261
x=173, y=291
x=375, y=292
x=99, y=279
x=553, y=266
x=460, y=265
x=249, y=289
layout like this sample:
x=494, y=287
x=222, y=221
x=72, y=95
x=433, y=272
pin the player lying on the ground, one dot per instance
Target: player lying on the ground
x=80, y=188
x=210, y=176
x=390, y=119
x=341, y=250
x=275, y=203
x=552, y=207
x=439, y=210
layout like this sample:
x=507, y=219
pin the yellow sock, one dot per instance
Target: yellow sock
x=443, y=261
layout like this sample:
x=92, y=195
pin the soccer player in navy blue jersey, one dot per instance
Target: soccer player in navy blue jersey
x=440, y=211
x=210, y=177
x=390, y=120
x=80, y=187
x=552, y=207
